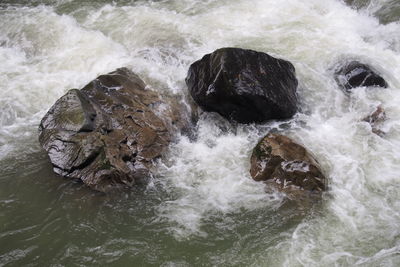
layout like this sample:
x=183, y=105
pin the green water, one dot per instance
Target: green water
x=49, y=221
x=202, y=208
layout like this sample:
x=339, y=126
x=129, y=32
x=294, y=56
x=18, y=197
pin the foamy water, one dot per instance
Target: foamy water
x=202, y=208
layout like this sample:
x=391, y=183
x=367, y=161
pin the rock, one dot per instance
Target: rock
x=355, y=74
x=109, y=133
x=389, y=12
x=357, y=4
x=279, y=161
x=376, y=119
x=244, y=85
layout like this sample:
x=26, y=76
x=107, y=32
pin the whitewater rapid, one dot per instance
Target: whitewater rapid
x=47, y=49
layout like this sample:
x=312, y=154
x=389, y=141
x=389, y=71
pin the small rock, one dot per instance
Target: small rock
x=277, y=159
x=388, y=12
x=244, y=85
x=355, y=74
x=376, y=119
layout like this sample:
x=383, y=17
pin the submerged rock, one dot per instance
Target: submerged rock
x=375, y=119
x=244, y=85
x=389, y=12
x=109, y=133
x=278, y=160
x=355, y=74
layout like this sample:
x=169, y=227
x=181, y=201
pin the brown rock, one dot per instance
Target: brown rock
x=376, y=119
x=278, y=160
x=109, y=133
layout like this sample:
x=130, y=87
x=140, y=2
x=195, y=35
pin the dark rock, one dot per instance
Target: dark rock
x=109, y=133
x=375, y=119
x=355, y=74
x=358, y=4
x=278, y=160
x=244, y=85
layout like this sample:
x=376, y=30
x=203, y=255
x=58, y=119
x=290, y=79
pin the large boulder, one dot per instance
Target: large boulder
x=287, y=165
x=355, y=74
x=109, y=133
x=244, y=85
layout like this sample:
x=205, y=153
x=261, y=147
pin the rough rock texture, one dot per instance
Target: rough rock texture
x=355, y=74
x=244, y=85
x=109, y=133
x=288, y=165
x=376, y=119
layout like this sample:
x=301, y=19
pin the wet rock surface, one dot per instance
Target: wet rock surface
x=376, y=119
x=109, y=133
x=355, y=74
x=286, y=165
x=244, y=85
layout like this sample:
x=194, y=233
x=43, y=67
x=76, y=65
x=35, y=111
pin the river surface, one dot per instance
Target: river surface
x=202, y=208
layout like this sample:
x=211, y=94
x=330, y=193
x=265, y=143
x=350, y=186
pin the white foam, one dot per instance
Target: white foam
x=40, y=63
x=209, y=176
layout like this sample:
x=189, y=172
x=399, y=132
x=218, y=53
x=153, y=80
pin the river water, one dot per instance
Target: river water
x=202, y=208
